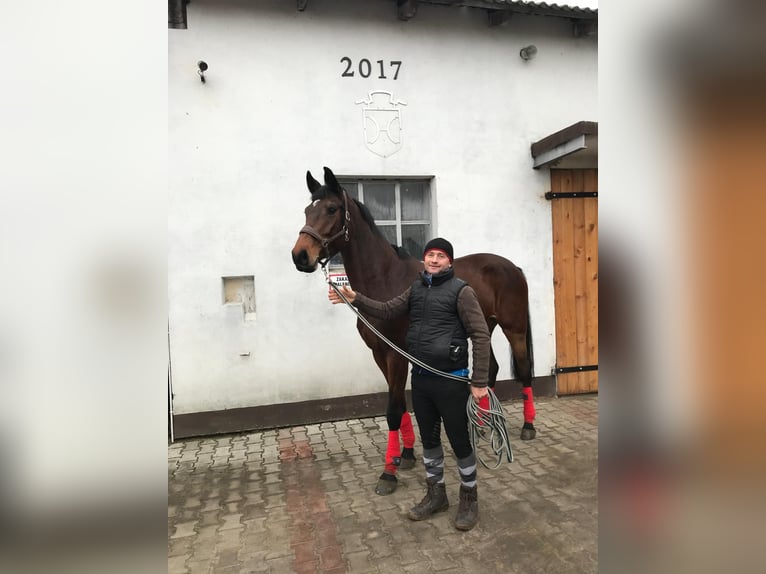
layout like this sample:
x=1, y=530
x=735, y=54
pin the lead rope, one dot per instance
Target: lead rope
x=483, y=425
x=489, y=425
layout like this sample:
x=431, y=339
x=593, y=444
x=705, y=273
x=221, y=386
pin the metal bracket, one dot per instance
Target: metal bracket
x=578, y=369
x=570, y=195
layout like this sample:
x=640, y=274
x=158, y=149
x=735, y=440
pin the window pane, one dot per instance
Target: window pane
x=414, y=239
x=389, y=232
x=380, y=199
x=416, y=204
x=336, y=261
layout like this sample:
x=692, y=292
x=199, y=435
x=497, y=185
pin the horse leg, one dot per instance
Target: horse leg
x=397, y=413
x=407, y=461
x=493, y=369
x=398, y=420
x=523, y=369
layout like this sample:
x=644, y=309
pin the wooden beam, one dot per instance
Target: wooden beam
x=406, y=9
x=585, y=28
x=177, y=14
x=498, y=17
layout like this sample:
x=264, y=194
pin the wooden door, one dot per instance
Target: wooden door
x=574, y=209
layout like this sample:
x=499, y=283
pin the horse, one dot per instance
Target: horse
x=337, y=223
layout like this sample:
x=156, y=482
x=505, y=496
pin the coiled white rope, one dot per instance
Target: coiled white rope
x=489, y=426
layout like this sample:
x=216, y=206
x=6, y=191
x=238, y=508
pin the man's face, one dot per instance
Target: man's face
x=435, y=261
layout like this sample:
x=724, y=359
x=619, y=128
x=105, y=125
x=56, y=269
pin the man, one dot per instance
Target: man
x=444, y=312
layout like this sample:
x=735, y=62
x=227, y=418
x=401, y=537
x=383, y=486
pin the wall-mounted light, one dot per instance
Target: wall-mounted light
x=201, y=68
x=528, y=52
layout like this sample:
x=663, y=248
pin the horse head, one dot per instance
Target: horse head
x=326, y=223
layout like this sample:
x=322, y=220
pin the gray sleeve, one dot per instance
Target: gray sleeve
x=391, y=309
x=471, y=316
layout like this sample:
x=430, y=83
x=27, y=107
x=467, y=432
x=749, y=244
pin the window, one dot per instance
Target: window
x=401, y=208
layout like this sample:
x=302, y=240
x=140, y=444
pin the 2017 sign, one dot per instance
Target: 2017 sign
x=365, y=68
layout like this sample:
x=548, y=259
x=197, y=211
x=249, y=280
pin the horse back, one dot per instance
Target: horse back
x=499, y=284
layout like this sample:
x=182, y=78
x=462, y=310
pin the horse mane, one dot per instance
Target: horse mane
x=401, y=252
x=367, y=216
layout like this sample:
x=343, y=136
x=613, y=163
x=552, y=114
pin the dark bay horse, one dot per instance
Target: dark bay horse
x=336, y=223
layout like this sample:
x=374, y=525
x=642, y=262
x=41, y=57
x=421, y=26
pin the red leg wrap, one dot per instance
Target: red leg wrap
x=529, y=405
x=393, y=451
x=408, y=434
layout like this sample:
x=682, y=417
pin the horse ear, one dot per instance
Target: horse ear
x=330, y=181
x=312, y=183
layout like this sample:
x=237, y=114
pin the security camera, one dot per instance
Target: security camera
x=528, y=52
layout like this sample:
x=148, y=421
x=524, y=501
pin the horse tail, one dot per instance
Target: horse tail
x=528, y=337
x=530, y=350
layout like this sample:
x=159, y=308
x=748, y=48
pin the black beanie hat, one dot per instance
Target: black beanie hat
x=441, y=245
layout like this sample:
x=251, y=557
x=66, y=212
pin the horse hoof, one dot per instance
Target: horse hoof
x=528, y=434
x=387, y=484
x=407, y=459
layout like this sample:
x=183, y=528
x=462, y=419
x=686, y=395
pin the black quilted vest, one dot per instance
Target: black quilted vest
x=436, y=335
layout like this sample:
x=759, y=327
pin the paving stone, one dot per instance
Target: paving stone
x=360, y=562
x=231, y=521
x=199, y=567
x=331, y=557
x=181, y=546
x=177, y=564
x=184, y=529
x=227, y=557
x=255, y=562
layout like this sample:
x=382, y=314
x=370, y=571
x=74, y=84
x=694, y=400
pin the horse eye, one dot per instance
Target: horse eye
x=332, y=210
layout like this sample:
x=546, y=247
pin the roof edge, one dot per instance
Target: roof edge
x=583, y=128
x=530, y=8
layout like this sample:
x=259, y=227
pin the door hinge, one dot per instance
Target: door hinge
x=569, y=195
x=577, y=369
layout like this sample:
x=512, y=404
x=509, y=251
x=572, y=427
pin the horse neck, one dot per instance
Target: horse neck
x=371, y=264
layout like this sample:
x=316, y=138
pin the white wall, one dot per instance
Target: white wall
x=275, y=105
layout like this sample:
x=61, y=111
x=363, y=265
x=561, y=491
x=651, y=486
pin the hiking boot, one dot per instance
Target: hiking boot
x=434, y=501
x=468, y=509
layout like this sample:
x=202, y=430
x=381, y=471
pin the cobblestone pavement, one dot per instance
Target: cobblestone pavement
x=302, y=500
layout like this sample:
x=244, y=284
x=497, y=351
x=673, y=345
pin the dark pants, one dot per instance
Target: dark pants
x=436, y=399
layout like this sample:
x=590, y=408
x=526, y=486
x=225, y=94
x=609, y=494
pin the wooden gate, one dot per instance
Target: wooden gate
x=574, y=208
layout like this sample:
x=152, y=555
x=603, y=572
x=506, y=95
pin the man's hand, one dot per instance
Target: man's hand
x=348, y=293
x=479, y=392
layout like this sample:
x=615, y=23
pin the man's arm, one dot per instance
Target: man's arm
x=380, y=310
x=389, y=310
x=471, y=316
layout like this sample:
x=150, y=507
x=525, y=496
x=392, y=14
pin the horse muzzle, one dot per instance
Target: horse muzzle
x=302, y=262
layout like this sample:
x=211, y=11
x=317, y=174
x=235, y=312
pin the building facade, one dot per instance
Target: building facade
x=428, y=116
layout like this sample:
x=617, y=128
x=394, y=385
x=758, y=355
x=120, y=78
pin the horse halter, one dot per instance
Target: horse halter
x=325, y=241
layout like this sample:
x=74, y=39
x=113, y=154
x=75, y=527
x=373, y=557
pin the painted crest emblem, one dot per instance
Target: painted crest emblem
x=382, y=123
